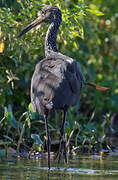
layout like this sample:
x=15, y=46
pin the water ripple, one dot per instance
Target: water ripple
x=81, y=171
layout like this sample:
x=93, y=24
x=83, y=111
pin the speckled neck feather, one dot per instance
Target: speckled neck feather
x=51, y=36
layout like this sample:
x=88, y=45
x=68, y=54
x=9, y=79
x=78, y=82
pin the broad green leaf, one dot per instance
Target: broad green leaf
x=37, y=139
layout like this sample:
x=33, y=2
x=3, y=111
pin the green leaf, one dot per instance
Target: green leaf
x=30, y=108
x=93, y=9
x=28, y=119
x=37, y=139
x=9, y=116
x=95, y=12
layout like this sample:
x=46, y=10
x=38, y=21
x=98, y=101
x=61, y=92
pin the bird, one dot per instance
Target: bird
x=57, y=80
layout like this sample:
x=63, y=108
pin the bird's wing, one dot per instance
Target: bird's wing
x=74, y=77
x=57, y=81
x=72, y=71
x=44, y=84
x=65, y=68
x=79, y=72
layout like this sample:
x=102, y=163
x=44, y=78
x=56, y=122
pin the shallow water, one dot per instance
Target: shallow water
x=92, y=167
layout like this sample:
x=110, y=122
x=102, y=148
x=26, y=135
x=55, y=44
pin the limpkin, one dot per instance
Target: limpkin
x=57, y=79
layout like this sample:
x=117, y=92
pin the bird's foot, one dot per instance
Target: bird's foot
x=62, y=150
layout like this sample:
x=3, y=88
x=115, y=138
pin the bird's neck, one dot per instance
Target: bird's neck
x=51, y=37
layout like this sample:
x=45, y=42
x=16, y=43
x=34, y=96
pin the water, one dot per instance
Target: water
x=92, y=167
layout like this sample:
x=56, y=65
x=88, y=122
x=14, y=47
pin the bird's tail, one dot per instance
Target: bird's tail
x=97, y=87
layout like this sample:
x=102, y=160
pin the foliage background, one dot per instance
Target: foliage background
x=88, y=34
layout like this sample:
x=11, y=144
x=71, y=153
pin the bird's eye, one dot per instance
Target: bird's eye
x=43, y=13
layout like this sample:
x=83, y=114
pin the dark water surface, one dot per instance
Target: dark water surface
x=90, y=167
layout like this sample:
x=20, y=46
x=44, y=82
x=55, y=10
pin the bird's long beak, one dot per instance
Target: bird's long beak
x=36, y=22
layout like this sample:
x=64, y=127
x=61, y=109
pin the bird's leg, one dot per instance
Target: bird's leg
x=48, y=141
x=62, y=146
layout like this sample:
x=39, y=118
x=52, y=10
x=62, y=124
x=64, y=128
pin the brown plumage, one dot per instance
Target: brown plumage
x=56, y=83
x=57, y=79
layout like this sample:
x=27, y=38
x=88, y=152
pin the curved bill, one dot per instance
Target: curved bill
x=36, y=22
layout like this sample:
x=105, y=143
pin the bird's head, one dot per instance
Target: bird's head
x=48, y=14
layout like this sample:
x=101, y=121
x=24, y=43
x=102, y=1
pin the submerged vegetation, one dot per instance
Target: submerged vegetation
x=88, y=34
